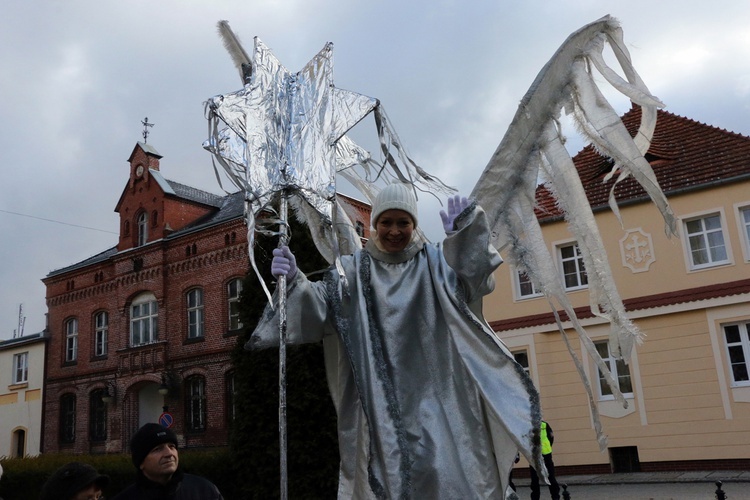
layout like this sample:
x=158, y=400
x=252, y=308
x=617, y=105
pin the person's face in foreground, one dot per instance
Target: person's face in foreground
x=394, y=228
x=160, y=463
x=91, y=492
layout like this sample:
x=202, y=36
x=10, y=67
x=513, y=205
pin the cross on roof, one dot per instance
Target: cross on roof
x=146, y=125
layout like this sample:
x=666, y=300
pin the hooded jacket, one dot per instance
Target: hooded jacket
x=181, y=486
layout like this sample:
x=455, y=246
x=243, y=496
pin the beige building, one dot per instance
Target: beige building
x=21, y=382
x=688, y=383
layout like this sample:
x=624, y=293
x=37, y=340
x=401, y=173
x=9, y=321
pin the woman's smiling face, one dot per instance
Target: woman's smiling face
x=394, y=229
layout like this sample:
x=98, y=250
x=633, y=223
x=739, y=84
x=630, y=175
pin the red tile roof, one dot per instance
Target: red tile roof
x=684, y=154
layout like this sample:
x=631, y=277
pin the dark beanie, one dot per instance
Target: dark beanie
x=148, y=437
x=70, y=479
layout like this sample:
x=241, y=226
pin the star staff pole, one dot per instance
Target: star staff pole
x=281, y=293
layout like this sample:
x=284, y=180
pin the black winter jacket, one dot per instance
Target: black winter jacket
x=181, y=487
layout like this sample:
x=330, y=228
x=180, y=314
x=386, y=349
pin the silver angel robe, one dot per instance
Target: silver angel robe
x=430, y=403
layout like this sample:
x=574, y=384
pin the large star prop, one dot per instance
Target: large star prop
x=281, y=130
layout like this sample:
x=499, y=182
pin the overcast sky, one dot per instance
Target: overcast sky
x=78, y=76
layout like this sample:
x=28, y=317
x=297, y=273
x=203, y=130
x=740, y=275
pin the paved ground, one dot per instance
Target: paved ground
x=648, y=491
x=695, y=485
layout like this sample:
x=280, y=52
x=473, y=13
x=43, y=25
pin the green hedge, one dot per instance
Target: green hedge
x=23, y=477
x=312, y=439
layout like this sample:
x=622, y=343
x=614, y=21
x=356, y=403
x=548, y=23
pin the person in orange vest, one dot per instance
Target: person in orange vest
x=548, y=438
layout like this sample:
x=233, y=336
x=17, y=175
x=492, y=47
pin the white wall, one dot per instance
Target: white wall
x=21, y=404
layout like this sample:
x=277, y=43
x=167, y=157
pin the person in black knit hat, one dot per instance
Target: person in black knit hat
x=154, y=452
x=74, y=481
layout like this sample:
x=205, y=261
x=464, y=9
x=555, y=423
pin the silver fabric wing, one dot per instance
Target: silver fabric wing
x=533, y=147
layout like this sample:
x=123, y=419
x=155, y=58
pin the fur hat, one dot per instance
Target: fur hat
x=146, y=439
x=70, y=479
x=395, y=196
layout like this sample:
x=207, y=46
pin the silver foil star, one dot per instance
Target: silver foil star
x=281, y=130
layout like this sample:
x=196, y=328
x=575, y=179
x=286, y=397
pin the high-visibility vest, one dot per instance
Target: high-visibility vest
x=546, y=445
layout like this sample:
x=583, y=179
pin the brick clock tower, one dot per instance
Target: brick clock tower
x=145, y=328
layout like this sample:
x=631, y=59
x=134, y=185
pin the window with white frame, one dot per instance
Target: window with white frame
x=526, y=287
x=522, y=358
x=67, y=418
x=21, y=368
x=738, y=350
x=745, y=221
x=195, y=402
x=231, y=397
x=705, y=239
x=234, y=289
x=144, y=320
x=97, y=416
x=573, y=269
x=619, y=370
x=142, y=223
x=71, y=340
x=195, y=313
x=101, y=325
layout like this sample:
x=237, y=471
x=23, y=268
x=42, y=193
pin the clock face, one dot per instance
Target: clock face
x=139, y=170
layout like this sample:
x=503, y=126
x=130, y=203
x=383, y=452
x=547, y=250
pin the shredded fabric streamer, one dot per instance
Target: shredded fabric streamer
x=533, y=146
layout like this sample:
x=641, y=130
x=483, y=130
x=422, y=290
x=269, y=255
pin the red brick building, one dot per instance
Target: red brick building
x=150, y=322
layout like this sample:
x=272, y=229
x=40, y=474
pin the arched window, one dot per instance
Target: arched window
x=97, y=416
x=67, y=419
x=360, y=228
x=18, y=446
x=195, y=313
x=142, y=223
x=234, y=288
x=144, y=320
x=231, y=397
x=154, y=218
x=126, y=228
x=101, y=323
x=71, y=340
x=195, y=402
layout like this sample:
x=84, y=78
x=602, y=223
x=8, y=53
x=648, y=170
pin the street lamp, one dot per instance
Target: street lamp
x=163, y=388
x=110, y=394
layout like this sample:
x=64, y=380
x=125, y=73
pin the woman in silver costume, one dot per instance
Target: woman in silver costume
x=430, y=403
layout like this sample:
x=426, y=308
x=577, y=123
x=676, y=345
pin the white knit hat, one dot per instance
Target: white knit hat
x=396, y=196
